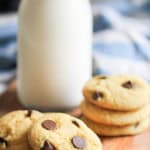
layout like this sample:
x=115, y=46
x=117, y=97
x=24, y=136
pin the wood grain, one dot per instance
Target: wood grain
x=9, y=102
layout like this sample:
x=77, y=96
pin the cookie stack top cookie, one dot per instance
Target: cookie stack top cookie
x=117, y=92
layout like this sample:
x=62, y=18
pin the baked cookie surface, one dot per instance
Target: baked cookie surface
x=57, y=131
x=116, y=118
x=117, y=92
x=14, y=127
x=104, y=130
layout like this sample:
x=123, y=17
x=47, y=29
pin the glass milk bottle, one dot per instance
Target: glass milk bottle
x=54, y=60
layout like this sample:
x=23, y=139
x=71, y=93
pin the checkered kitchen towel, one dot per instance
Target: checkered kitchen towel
x=121, y=42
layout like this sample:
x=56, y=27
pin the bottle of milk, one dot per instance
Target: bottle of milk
x=54, y=60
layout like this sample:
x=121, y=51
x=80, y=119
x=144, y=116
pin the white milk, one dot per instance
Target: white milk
x=54, y=57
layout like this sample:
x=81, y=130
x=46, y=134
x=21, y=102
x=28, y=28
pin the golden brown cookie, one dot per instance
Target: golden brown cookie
x=59, y=131
x=104, y=130
x=117, y=92
x=115, y=118
x=14, y=127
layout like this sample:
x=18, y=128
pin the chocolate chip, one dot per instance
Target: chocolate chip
x=29, y=113
x=78, y=142
x=76, y=124
x=97, y=95
x=49, y=125
x=48, y=146
x=101, y=77
x=137, y=124
x=128, y=85
x=3, y=141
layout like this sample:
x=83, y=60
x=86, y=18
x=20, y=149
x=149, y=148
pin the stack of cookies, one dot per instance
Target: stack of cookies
x=116, y=105
x=32, y=130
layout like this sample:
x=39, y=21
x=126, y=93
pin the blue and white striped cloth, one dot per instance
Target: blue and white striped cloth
x=8, y=49
x=121, y=45
x=121, y=41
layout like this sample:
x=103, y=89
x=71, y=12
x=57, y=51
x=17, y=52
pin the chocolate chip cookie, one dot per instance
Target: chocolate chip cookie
x=57, y=131
x=117, y=92
x=115, y=118
x=14, y=127
x=117, y=131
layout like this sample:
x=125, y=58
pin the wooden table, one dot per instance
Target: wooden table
x=9, y=102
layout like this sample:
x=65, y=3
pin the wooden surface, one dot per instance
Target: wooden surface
x=9, y=102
